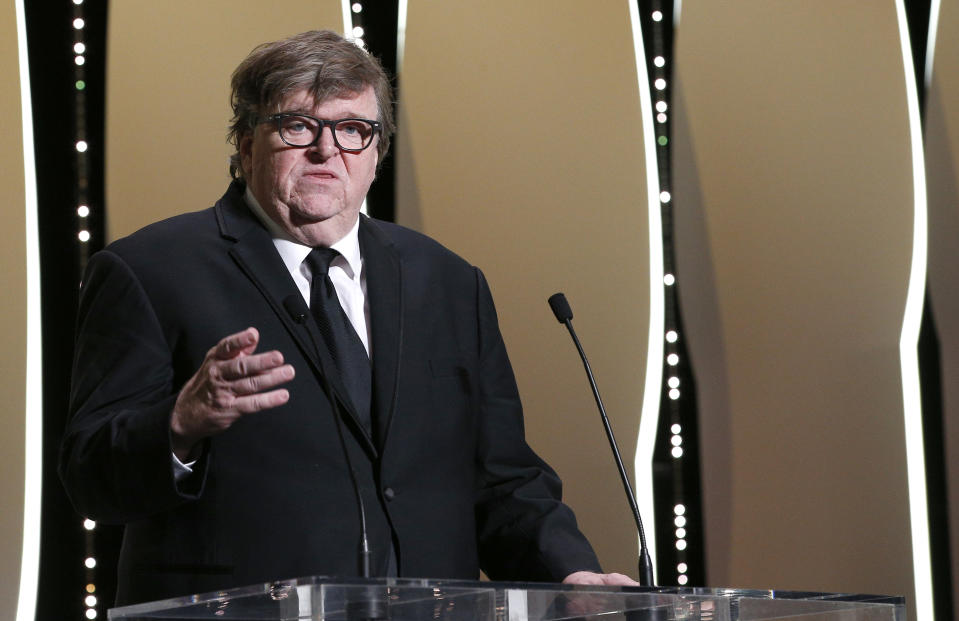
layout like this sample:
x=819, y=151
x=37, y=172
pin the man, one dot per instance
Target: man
x=231, y=429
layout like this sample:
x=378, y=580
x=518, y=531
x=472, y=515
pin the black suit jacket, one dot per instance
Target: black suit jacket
x=447, y=474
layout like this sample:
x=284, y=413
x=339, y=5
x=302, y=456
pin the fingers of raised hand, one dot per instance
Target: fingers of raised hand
x=256, y=402
x=243, y=367
x=227, y=381
x=263, y=380
x=231, y=346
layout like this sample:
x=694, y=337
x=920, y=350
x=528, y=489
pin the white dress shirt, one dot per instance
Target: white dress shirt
x=346, y=272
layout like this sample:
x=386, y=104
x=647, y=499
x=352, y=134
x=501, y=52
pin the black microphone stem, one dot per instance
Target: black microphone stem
x=298, y=311
x=645, y=563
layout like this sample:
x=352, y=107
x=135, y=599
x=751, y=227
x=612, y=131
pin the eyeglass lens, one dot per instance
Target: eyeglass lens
x=301, y=131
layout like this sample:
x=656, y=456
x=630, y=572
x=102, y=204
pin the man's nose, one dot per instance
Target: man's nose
x=325, y=147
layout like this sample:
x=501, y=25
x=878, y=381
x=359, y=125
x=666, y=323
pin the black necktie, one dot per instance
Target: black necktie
x=344, y=344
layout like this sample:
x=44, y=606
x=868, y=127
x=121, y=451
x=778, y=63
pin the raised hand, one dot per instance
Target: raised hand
x=231, y=382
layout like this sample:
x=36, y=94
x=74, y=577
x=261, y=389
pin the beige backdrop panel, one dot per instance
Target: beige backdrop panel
x=13, y=318
x=521, y=148
x=168, y=97
x=794, y=203
x=942, y=166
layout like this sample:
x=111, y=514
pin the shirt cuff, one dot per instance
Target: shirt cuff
x=181, y=470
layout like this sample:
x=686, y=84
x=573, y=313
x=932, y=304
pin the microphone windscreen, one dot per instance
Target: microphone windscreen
x=296, y=307
x=560, y=307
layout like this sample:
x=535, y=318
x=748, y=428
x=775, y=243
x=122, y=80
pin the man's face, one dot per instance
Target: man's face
x=313, y=193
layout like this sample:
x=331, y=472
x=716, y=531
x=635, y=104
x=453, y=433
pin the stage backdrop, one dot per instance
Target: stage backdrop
x=795, y=210
x=20, y=416
x=942, y=162
x=521, y=146
x=168, y=97
x=511, y=172
x=795, y=207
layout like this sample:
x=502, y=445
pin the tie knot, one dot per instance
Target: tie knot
x=319, y=260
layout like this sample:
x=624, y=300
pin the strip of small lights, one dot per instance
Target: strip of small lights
x=353, y=22
x=671, y=335
x=90, y=563
x=80, y=140
x=82, y=146
x=649, y=417
x=353, y=30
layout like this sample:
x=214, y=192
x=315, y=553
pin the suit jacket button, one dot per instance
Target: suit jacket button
x=388, y=493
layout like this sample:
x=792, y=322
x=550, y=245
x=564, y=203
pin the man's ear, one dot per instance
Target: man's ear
x=246, y=154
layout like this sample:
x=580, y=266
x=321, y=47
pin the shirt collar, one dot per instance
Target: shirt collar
x=293, y=253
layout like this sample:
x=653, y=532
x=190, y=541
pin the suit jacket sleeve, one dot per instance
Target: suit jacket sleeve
x=115, y=458
x=525, y=531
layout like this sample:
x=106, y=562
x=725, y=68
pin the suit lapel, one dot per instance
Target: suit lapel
x=383, y=287
x=255, y=254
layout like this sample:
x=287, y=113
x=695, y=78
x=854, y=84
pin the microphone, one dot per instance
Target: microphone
x=299, y=312
x=564, y=315
x=296, y=308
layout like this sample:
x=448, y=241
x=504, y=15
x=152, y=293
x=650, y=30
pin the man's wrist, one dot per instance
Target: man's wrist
x=185, y=448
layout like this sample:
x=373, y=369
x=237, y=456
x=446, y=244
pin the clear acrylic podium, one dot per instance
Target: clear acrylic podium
x=332, y=599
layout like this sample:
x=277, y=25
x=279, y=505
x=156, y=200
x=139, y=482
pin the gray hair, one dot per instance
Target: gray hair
x=324, y=63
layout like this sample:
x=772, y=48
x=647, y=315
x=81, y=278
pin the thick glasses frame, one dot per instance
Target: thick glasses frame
x=277, y=119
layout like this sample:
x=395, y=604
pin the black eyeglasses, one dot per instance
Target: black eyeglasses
x=301, y=130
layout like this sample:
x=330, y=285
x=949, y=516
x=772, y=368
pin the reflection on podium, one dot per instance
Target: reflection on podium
x=332, y=599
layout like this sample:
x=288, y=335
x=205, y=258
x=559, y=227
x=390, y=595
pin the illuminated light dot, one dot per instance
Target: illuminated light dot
x=671, y=336
x=81, y=85
x=682, y=568
x=673, y=382
x=680, y=533
x=676, y=428
x=676, y=440
x=91, y=613
x=90, y=562
x=659, y=61
x=78, y=23
x=78, y=2
x=660, y=84
x=79, y=60
x=89, y=524
x=657, y=16
x=360, y=43
x=81, y=145
x=680, y=544
x=669, y=279
x=90, y=600
x=358, y=31
x=682, y=579
x=661, y=117
x=672, y=359
x=679, y=509
x=661, y=106
x=680, y=521
x=674, y=394
x=677, y=452
x=91, y=588
x=83, y=236
x=357, y=7
x=662, y=140
x=79, y=48
x=665, y=197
